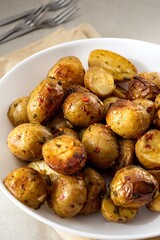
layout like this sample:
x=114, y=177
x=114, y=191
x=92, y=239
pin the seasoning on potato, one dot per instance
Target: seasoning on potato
x=133, y=186
x=120, y=67
x=147, y=149
x=64, y=154
x=128, y=119
x=83, y=108
x=101, y=145
x=44, y=101
x=28, y=186
x=25, y=141
x=68, y=71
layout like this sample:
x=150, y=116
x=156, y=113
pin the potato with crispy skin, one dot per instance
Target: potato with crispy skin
x=82, y=109
x=157, y=102
x=28, y=186
x=156, y=174
x=101, y=145
x=96, y=188
x=128, y=119
x=68, y=71
x=64, y=154
x=154, y=205
x=156, y=120
x=99, y=82
x=68, y=196
x=25, y=141
x=17, y=112
x=64, y=131
x=147, y=149
x=144, y=85
x=113, y=213
x=133, y=186
x=44, y=101
x=120, y=67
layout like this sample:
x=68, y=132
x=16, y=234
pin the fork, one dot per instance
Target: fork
x=29, y=21
x=48, y=23
x=55, y=5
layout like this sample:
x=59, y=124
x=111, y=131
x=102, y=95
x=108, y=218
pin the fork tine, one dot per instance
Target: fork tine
x=35, y=11
x=36, y=15
x=63, y=3
x=65, y=14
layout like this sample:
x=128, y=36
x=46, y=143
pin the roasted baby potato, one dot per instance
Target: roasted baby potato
x=114, y=213
x=126, y=154
x=133, y=186
x=64, y=154
x=156, y=120
x=101, y=145
x=68, y=196
x=120, y=67
x=58, y=121
x=149, y=106
x=17, y=112
x=67, y=71
x=144, y=85
x=108, y=102
x=147, y=149
x=75, y=88
x=128, y=119
x=156, y=174
x=25, y=141
x=44, y=101
x=64, y=131
x=154, y=205
x=99, y=82
x=120, y=92
x=96, y=188
x=28, y=186
x=157, y=102
x=82, y=109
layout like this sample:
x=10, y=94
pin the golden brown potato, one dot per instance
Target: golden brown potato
x=68, y=71
x=114, y=213
x=133, y=186
x=101, y=145
x=99, y=82
x=68, y=196
x=108, y=102
x=156, y=120
x=120, y=67
x=27, y=185
x=75, y=88
x=64, y=154
x=144, y=85
x=17, y=112
x=96, y=188
x=156, y=174
x=82, y=109
x=44, y=101
x=154, y=205
x=25, y=141
x=64, y=131
x=147, y=149
x=128, y=119
x=126, y=154
x=157, y=102
x=149, y=106
x=120, y=92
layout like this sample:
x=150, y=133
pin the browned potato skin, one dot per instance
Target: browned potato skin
x=157, y=102
x=120, y=67
x=96, y=188
x=133, y=186
x=68, y=71
x=117, y=214
x=83, y=109
x=156, y=174
x=154, y=205
x=75, y=88
x=144, y=85
x=64, y=154
x=156, y=120
x=64, y=131
x=126, y=154
x=17, y=112
x=108, y=102
x=68, y=196
x=28, y=186
x=128, y=119
x=101, y=145
x=147, y=149
x=25, y=141
x=149, y=106
x=44, y=101
x=99, y=82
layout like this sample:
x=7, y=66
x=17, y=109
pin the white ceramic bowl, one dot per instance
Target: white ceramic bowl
x=22, y=79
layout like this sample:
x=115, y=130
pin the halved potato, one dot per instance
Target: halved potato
x=120, y=67
x=120, y=92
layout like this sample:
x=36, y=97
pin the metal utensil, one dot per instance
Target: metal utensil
x=48, y=23
x=57, y=4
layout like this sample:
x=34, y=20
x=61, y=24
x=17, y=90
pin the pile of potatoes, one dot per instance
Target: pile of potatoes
x=76, y=125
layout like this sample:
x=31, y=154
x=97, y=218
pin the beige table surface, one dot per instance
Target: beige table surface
x=135, y=19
